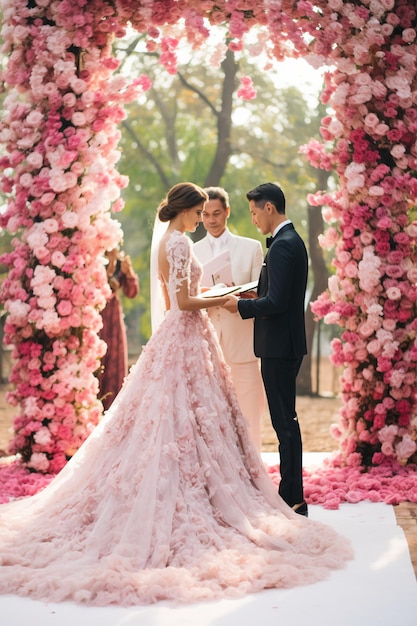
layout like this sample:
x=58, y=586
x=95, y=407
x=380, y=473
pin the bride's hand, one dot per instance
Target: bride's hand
x=230, y=303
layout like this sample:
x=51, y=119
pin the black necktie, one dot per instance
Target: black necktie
x=269, y=240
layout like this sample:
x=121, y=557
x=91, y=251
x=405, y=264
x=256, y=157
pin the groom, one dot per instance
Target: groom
x=279, y=331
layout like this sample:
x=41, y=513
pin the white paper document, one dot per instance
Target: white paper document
x=217, y=270
x=222, y=290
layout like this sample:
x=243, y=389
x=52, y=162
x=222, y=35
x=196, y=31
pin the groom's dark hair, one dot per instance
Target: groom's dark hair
x=268, y=192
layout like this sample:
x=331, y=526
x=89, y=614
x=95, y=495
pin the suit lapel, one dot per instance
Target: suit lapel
x=263, y=278
x=205, y=250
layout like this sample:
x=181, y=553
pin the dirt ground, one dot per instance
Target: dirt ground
x=316, y=414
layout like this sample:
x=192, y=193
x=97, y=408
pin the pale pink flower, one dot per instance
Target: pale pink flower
x=389, y=349
x=34, y=118
x=26, y=180
x=329, y=239
x=69, y=219
x=18, y=311
x=47, y=198
x=78, y=118
x=69, y=100
x=376, y=191
x=87, y=97
x=366, y=238
x=57, y=180
x=332, y=318
x=371, y=120
x=386, y=30
x=355, y=176
x=389, y=324
x=412, y=275
x=393, y=293
x=336, y=128
x=57, y=258
x=50, y=225
x=78, y=85
x=46, y=301
x=366, y=329
x=70, y=179
x=374, y=347
x=397, y=151
x=43, y=436
x=381, y=129
x=39, y=462
x=34, y=159
x=396, y=378
x=37, y=237
x=387, y=449
x=405, y=448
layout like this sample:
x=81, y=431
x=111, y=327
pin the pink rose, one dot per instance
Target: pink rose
x=39, y=462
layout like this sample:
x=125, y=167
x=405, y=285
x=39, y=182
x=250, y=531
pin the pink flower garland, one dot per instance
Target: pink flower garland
x=60, y=130
x=60, y=133
x=370, y=143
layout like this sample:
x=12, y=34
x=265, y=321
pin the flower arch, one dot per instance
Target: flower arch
x=60, y=135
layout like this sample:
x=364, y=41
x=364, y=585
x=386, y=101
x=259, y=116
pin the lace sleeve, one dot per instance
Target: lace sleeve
x=178, y=249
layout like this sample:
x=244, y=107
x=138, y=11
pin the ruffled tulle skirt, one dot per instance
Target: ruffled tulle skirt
x=167, y=499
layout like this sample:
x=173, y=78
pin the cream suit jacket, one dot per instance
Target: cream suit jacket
x=235, y=334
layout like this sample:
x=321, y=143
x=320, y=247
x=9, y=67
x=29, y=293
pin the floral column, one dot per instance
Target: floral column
x=372, y=294
x=60, y=135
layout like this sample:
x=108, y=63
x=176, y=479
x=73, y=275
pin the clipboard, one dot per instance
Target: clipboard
x=217, y=270
x=221, y=290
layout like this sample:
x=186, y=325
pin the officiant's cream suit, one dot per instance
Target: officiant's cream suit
x=236, y=334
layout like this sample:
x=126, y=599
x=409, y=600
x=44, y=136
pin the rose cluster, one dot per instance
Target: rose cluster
x=370, y=142
x=60, y=131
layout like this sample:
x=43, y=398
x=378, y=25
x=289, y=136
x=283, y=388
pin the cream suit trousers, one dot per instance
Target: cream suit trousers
x=236, y=335
x=250, y=393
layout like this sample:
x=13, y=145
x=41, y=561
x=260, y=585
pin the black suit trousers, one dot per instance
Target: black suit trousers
x=279, y=377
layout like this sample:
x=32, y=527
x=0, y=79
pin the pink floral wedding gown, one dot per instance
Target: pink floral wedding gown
x=167, y=499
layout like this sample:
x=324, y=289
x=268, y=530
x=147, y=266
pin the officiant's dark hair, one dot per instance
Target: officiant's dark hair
x=268, y=192
x=218, y=193
x=179, y=197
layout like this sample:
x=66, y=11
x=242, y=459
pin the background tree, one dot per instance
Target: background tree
x=192, y=126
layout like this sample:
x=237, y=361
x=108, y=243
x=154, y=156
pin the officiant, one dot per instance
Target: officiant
x=232, y=259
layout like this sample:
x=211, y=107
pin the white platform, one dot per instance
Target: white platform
x=377, y=588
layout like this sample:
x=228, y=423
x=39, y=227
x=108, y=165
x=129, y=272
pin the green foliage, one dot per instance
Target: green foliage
x=172, y=134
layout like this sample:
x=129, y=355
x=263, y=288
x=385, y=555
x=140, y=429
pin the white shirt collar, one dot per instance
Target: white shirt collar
x=278, y=228
x=219, y=242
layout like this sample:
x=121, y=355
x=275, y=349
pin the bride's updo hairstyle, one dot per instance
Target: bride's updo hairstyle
x=180, y=197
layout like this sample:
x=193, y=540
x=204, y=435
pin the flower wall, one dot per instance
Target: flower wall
x=372, y=294
x=60, y=135
x=60, y=132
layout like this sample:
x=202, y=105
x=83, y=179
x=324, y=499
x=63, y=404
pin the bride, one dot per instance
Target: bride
x=168, y=498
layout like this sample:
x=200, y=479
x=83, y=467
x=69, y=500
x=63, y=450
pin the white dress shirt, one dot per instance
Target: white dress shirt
x=280, y=226
x=219, y=244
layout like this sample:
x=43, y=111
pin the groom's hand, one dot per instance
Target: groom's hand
x=249, y=295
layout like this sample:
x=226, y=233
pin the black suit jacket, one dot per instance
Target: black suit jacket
x=279, y=310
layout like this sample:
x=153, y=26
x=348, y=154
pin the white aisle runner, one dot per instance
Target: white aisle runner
x=377, y=588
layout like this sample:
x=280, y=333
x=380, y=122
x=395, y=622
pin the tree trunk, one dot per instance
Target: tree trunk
x=320, y=278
